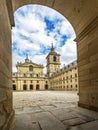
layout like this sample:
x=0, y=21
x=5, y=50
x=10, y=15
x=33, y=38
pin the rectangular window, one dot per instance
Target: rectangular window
x=31, y=81
x=24, y=81
x=13, y=81
x=75, y=75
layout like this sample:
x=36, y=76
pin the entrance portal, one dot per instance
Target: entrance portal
x=46, y=87
x=24, y=87
x=14, y=87
x=31, y=87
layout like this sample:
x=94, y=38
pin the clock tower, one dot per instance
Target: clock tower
x=53, y=61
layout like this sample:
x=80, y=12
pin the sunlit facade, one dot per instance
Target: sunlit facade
x=30, y=76
x=65, y=78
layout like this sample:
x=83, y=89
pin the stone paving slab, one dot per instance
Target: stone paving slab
x=87, y=126
x=64, y=105
x=24, y=122
x=48, y=122
x=74, y=121
x=63, y=114
x=50, y=111
x=28, y=110
x=88, y=113
x=48, y=107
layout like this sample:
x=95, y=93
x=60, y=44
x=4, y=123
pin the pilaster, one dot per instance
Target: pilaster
x=87, y=44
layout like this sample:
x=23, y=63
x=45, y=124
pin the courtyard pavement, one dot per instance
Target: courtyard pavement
x=51, y=110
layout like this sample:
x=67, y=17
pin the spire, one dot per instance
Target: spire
x=26, y=56
x=52, y=48
x=27, y=59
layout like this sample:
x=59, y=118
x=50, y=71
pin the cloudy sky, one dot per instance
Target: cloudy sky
x=36, y=27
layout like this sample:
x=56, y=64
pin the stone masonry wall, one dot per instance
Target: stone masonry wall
x=6, y=107
x=88, y=66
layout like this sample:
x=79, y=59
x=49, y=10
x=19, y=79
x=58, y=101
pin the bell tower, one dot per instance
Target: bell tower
x=53, y=61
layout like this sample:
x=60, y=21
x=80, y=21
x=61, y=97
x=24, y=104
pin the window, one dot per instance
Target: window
x=24, y=75
x=54, y=58
x=30, y=68
x=75, y=75
x=13, y=81
x=24, y=81
x=70, y=76
x=37, y=75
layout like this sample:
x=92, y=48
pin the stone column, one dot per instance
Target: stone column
x=87, y=44
x=6, y=106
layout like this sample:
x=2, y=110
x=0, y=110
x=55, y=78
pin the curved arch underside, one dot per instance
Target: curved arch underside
x=78, y=12
x=83, y=15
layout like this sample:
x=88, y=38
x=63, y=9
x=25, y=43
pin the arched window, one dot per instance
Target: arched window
x=54, y=58
x=30, y=68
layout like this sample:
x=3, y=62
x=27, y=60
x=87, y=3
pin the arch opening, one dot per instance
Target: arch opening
x=84, y=17
x=14, y=87
x=24, y=87
x=56, y=29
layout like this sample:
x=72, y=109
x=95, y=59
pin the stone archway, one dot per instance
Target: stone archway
x=83, y=15
x=14, y=87
x=46, y=86
x=24, y=87
x=31, y=87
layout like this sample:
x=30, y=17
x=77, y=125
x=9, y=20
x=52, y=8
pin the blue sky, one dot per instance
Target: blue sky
x=36, y=27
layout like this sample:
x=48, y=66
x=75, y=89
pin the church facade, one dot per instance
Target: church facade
x=30, y=76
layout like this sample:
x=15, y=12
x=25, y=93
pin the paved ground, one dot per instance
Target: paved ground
x=51, y=110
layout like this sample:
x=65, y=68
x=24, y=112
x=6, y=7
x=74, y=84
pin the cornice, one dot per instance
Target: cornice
x=87, y=30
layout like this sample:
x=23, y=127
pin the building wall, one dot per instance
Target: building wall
x=65, y=78
x=25, y=79
x=62, y=79
x=34, y=82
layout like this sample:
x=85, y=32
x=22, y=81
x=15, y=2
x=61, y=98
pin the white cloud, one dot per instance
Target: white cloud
x=68, y=52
